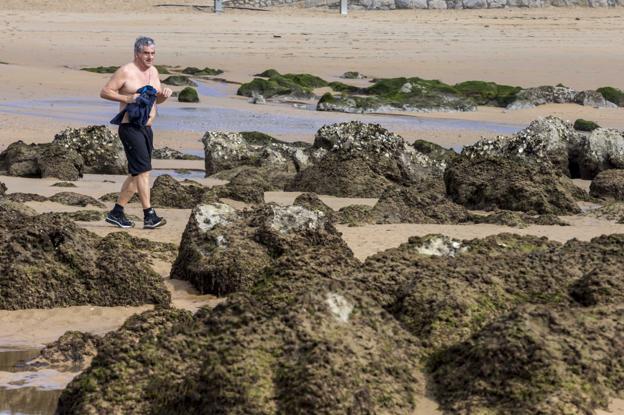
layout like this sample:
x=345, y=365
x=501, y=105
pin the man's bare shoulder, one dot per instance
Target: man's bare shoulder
x=127, y=69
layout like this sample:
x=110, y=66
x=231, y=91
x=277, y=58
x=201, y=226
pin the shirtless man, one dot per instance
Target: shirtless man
x=137, y=138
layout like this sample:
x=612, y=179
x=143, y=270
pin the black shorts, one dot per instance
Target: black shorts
x=138, y=142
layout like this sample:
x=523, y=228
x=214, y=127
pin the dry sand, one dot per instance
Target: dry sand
x=45, y=43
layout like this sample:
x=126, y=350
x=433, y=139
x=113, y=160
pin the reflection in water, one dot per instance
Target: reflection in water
x=180, y=174
x=28, y=400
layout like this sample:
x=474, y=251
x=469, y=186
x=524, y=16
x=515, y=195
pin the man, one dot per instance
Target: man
x=136, y=86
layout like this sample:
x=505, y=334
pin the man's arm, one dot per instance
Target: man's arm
x=163, y=93
x=111, y=90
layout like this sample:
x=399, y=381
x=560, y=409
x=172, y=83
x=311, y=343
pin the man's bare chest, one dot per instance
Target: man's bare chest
x=131, y=85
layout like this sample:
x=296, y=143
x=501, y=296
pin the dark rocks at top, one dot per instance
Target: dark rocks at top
x=490, y=183
x=47, y=261
x=362, y=160
x=608, y=184
x=550, y=139
x=41, y=160
x=167, y=153
x=100, y=148
x=223, y=251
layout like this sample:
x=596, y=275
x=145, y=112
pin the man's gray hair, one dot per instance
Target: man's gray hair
x=141, y=42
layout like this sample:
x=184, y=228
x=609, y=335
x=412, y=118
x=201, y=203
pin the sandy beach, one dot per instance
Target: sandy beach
x=43, y=46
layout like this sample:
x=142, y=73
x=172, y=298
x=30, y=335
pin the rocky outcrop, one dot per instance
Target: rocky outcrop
x=226, y=151
x=47, y=261
x=73, y=351
x=75, y=199
x=531, y=97
x=167, y=192
x=550, y=139
x=600, y=150
x=513, y=184
x=534, y=360
x=545, y=140
x=100, y=148
x=593, y=99
x=516, y=219
x=608, y=184
x=417, y=204
x=41, y=160
x=312, y=202
x=223, y=251
x=167, y=153
x=362, y=160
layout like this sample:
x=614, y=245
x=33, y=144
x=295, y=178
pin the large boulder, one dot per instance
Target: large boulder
x=41, y=160
x=602, y=149
x=167, y=192
x=47, y=261
x=362, y=160
x=535, y=360
x=226, y=151
x=510, y=183
x=224, y=251
x=608, y=184
x=100, y=148
x=545, y=140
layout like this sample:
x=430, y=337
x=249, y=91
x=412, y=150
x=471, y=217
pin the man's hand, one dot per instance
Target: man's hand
x=164, y=94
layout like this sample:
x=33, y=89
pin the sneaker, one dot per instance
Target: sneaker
x=153, y=221
x=119, y=220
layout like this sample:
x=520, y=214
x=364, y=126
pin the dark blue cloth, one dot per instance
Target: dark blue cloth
x=139, y=110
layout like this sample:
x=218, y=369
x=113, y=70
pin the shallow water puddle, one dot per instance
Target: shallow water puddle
x=28, y=392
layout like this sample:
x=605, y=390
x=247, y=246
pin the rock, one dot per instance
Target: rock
x=41, y=160
x=57, y=161
x=167, y=153
x=362, y=160
x=3, y=189
x=601, y=286
x=263, y=178
x=514, y=184
x=179, y=80
x=354, y=74
x=611, y=94
x=75, y=199
x=241, y=192
x=167, y=192
x=593, y=99
x=534, y=360
x=312, y=202
x=226, y=151
x=190, y=70
x=516, y=219
x=48, y=261
x=417, y=204
x=354, y=215
x=545, y=140
x=113, y=196
x=73, y=351
x=63, y=184
x=544, y=95
x=257, y=99
x=25, y=197
x=608, y=184
x=188, y=94
x=85, y=215
x=17, y=209
x=99, y=147
x=474, y=4
x=585, y=125
x=223, y=251
x=601, y=150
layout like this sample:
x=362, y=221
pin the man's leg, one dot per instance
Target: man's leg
x=142, y=185
x=128, y=189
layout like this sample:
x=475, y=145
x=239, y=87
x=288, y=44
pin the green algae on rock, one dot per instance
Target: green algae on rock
x=608, y=184
x=101, y=69
x=294, y=85
x=188, y=94
x=191, y=70
x=585, y=125
x=612, y=94
x=47, y=261
x=488, y=93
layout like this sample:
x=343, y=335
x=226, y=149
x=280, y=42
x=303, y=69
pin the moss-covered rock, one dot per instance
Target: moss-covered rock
x=25, y=197
x=410, y=94
x=312, y=202
x=85, y=215
x=352, y=75
x=534, y=360
x=179, y=80
x=585, y=125
x=354, y=215
x=191, y=70
x=188, y=94
x=41, y=160
x=167, y=192
x=488, y=93
x=516, y=219
x=47, y=261
x=168, y=153
x=277, y=85
x=73, y=351
x=63, y=184
x=513, y=184
x=101, y=69
x=75, y=199
x=612, y=94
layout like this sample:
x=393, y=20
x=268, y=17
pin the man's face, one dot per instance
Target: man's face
x=147, y=55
